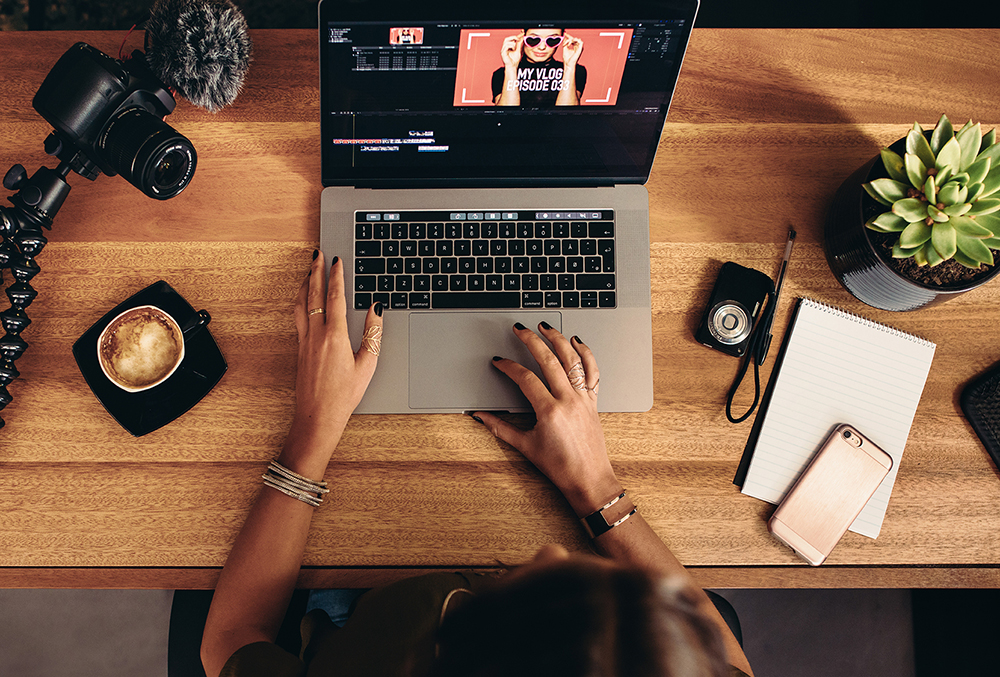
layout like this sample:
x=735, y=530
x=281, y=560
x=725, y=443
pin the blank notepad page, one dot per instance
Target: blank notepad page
x=838, y=368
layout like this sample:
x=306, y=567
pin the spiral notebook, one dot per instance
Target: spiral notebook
x=837, y=368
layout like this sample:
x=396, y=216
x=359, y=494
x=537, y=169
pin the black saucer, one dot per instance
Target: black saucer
x=145, y=411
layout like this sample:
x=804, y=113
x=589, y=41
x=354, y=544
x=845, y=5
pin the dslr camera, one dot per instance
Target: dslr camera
x=107, y=117
x=733, y=308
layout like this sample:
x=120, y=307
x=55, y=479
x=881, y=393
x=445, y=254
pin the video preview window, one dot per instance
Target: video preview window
x=541, y=67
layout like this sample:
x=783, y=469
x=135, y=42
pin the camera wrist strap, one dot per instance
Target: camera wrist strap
x=755, y=353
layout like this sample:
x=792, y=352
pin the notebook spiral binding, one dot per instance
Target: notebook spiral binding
x=865, y=321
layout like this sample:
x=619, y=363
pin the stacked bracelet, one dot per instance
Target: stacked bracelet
x=292, y=484
x=596, y=523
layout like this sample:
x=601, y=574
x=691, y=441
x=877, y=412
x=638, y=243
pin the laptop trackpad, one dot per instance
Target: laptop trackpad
x=451, y=358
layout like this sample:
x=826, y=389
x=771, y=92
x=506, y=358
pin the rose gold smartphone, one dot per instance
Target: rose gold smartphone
x=829, y=494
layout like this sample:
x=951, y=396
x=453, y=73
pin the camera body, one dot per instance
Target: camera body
x=108, y=117
x=732, y=311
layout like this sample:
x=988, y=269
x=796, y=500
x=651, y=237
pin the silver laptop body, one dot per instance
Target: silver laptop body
x=434, y=166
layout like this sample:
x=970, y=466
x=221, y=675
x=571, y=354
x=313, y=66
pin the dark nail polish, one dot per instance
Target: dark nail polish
x=335, y=259
x=497, y=358
x=577, y=339
x=545, y=325
x=379, y=308
x=519, y=326
x=315, y=254
x=476, y=418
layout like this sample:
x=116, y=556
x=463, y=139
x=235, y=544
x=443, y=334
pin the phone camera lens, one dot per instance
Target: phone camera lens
x=852, y=439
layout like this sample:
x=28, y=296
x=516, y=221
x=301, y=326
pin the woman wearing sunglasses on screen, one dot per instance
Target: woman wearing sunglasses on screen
x=635, y=612
x=532, y=77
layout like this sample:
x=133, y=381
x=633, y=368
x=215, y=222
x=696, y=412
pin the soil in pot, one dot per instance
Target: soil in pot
x=947, y=274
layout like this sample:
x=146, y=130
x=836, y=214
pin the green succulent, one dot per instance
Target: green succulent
x=940, y=196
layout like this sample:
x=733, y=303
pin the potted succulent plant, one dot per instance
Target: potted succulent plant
x=919, y=223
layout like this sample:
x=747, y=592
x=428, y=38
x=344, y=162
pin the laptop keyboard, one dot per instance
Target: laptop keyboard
x=428, y=260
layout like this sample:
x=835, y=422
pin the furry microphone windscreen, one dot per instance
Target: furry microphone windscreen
x=200, y=48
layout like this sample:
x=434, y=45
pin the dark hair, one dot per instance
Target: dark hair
x=581, y=621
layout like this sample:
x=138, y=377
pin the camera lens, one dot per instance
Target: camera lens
x=729, y=323
x=148, y=153
x=171, y=168
x=852, y=439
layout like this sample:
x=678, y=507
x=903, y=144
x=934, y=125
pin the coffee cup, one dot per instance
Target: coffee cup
x=143, y=346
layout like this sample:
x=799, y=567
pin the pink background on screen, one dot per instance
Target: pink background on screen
x=603, y=56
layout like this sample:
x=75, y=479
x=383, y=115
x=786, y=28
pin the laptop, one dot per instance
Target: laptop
x=485, y=165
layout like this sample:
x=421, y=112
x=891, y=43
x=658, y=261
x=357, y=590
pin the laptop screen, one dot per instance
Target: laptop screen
x=532, y=101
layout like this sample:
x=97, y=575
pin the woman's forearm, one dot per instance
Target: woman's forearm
x=634, y=543
x=568, y=96
x=257, y=582
x=255, y=586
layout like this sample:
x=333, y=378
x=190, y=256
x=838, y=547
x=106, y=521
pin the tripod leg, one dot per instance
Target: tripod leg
x=36, y=203
x=18, y=254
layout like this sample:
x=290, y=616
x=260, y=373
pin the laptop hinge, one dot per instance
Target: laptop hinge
x=384, y=184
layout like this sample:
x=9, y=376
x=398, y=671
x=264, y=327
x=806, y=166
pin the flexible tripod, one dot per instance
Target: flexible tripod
x=36, y=202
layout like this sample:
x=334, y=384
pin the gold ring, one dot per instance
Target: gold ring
x=318, y=311
x=372, y=340
x=577, y=376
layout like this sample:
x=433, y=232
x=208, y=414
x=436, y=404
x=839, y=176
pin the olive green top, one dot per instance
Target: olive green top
x=391, y=633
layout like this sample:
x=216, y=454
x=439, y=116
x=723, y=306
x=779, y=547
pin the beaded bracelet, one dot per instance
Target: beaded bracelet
x=292, y=484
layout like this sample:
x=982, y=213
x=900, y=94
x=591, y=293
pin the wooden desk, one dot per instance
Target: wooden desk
x=764, y=127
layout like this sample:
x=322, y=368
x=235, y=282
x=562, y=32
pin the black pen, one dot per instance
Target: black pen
x=769, y=319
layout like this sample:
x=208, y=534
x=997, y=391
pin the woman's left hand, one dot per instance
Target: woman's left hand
x=332, y=378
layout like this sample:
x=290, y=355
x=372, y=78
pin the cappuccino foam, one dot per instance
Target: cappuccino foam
x=141, y=348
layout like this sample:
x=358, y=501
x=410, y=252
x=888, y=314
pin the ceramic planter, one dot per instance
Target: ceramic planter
x=855, y=261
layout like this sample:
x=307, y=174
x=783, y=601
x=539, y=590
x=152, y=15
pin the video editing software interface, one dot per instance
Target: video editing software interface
x=487, y=100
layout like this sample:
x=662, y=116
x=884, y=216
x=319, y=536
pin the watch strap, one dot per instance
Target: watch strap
x=596, y=523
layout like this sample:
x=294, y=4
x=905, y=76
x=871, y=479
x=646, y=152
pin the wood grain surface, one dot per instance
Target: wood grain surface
x=764, y=126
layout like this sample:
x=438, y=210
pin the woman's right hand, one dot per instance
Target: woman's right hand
x=567, y=441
